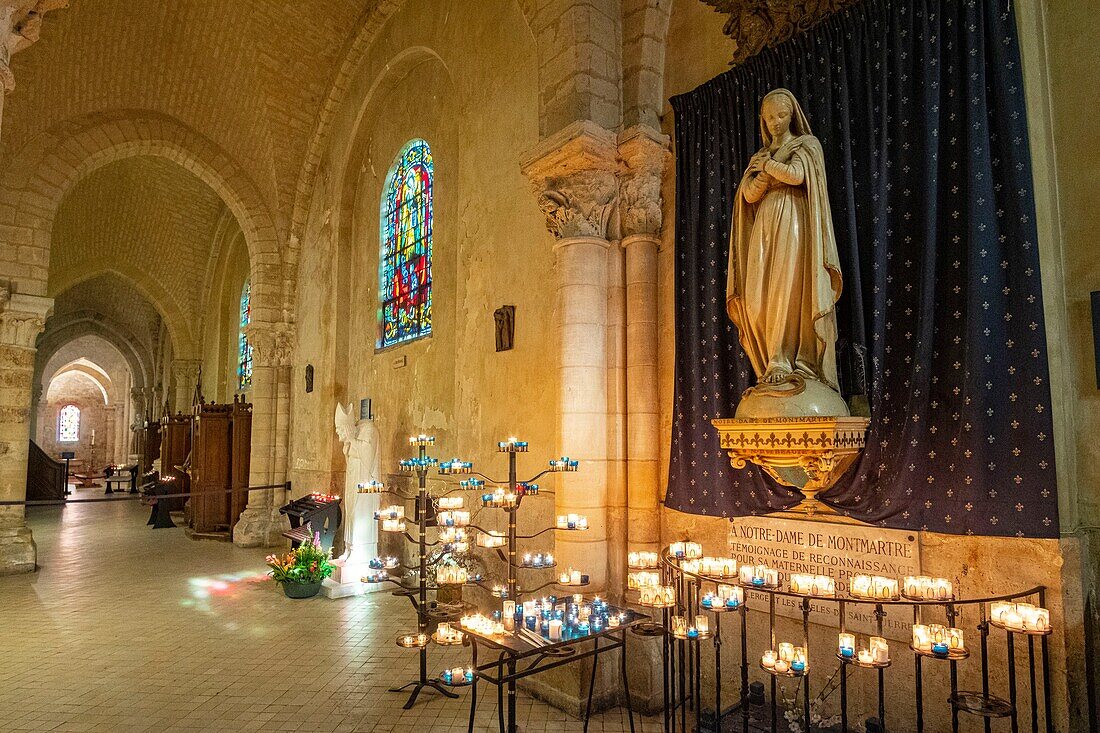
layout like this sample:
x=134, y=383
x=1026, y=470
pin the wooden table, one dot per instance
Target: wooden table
x=512, y=651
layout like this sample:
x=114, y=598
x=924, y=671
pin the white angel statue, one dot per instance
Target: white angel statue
x=363, y=451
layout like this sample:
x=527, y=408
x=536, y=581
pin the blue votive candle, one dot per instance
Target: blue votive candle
x=939, y=647
x=732, y=603
x=469, y=675
x=847, y=652
x=530, y=621
x=798, y=666
x=693, y=633
x=447, y=677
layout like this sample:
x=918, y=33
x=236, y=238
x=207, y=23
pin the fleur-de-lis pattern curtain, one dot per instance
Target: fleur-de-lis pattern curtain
x=919, y=105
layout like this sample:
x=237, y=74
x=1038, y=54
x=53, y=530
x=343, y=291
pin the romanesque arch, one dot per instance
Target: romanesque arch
x=39, y=176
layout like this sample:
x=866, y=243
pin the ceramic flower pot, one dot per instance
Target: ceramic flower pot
x=301, y=590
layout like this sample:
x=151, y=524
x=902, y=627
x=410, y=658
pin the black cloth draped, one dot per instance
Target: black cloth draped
x=919, y=105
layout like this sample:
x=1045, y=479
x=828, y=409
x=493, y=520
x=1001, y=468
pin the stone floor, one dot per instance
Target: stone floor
x=125, y=628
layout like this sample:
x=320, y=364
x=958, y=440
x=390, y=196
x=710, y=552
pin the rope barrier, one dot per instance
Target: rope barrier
x=132, y=497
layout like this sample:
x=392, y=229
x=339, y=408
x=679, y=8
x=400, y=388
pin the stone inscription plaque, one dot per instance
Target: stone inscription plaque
x=840, y=551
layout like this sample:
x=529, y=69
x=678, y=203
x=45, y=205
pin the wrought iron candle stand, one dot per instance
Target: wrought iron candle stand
x=510, y=502
x=428, y=509
x=427, y=611
x=682, y=668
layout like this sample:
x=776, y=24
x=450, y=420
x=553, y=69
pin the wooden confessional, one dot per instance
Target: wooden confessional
x=220, y=449
x=175, y=450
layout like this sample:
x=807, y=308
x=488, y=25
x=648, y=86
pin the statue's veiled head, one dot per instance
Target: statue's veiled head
x=780, y=112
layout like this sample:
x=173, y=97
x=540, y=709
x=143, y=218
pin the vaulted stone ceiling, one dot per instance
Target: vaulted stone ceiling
x=251, y=77
x=115, y=301
x=147, y=219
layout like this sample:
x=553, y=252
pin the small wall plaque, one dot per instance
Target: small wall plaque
x=365, y=412
x=309, y=378
x=505, y=317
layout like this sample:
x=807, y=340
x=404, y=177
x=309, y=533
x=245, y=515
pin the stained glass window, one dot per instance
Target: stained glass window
x=406, y=254
x=68, y=424
x=244, y=349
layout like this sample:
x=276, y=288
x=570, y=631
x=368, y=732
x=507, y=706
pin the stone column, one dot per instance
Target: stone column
x=22, y=318
x=260, y=524
x=185, y=375
x=574, y=175
x=644, y=152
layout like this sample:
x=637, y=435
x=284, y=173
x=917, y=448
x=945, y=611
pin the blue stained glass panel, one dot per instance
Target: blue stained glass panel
x=406, y=247
x=244, y=349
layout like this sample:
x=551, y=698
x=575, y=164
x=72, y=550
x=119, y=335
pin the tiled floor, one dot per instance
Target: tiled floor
x=125, y=628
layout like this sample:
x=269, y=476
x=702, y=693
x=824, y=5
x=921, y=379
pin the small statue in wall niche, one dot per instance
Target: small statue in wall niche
x=784, y=271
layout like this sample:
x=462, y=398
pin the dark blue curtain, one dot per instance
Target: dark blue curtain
x=919, y=105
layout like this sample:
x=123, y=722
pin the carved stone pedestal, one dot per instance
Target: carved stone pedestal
x=807, y=453
x=260, y=526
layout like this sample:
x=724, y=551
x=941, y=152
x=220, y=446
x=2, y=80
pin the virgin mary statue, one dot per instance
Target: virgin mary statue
x=784, y=271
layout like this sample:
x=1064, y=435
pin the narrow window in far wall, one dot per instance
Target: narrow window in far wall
x=405, y=268
x=244, y=349
x=68, y=424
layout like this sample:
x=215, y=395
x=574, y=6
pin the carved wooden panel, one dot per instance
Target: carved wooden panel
x=758, y=24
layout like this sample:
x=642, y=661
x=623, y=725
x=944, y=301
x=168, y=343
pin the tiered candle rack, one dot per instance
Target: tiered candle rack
x=428, y=611
x=428, y=508
x=515, y=491
x=682, y=668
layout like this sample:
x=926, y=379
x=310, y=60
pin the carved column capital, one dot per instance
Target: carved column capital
x=644, y=153
x=573, y=175
x=185, y=369
x=272, y=343
x=20, y=26
x=22, y=317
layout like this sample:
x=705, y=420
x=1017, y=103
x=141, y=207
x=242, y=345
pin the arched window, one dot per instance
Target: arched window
x=244, y=349
x=406, y=253
x=68, y=424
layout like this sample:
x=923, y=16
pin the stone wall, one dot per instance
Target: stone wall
x=76, y=388
x=423, y=78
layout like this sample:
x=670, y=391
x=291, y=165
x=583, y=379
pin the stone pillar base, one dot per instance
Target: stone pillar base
x=18, y=553
x=260, y=527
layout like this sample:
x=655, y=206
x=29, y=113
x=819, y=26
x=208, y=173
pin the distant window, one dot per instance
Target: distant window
x=68, y=424
x=405, y=268
x=244, y=349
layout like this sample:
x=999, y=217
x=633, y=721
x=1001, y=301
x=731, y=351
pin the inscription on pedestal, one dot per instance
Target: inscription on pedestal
x=839, y=551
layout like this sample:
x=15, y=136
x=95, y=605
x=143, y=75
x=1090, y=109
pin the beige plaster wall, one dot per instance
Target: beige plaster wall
x=437, y=75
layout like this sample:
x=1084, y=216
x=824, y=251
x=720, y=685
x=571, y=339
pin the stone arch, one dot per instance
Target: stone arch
x=43, y=171
x=183, y=341
x=97, y=376
x=346, y=181
x=89, y=324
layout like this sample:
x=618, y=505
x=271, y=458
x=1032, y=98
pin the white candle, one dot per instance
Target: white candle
x=880, y=650
x=768, y=660
x=782, y=665
x=555, y=629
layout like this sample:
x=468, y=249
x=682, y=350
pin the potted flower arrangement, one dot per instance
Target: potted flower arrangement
x=301, y=570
